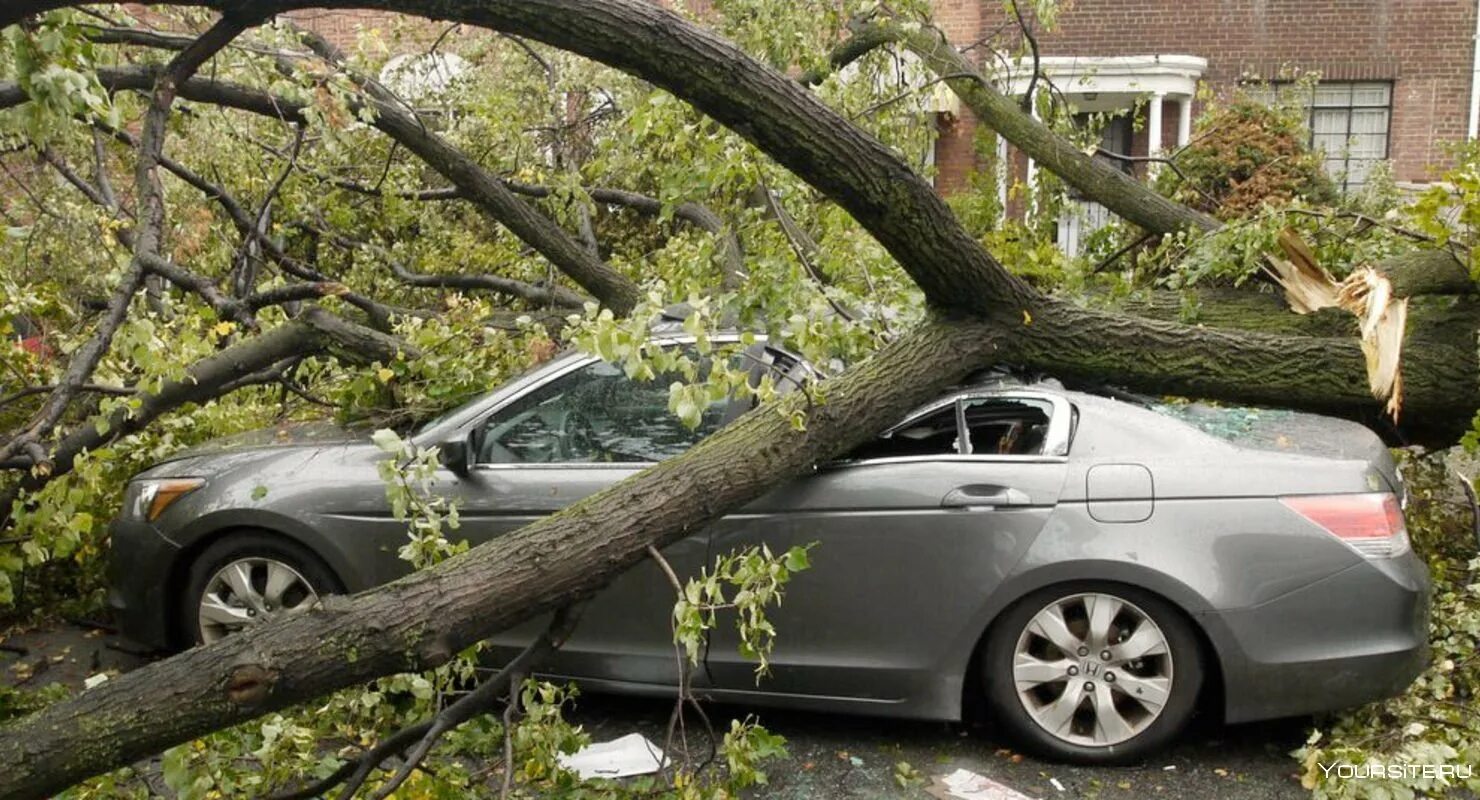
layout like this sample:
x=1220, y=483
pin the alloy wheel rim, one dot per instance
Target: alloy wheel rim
x=1092, y=669
x=250, y=591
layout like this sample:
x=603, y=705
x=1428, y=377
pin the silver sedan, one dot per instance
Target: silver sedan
x=1091, y=572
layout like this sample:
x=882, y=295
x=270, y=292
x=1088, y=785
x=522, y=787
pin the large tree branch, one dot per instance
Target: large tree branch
x=567, y=556
x=1110, y=187
x=1309, y=372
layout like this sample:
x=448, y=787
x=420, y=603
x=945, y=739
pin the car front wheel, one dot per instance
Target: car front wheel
x=247, y=579
x=1092, y=673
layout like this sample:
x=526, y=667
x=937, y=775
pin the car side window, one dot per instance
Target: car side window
x=1008, y=426
x=595, y=414
x=970, y=426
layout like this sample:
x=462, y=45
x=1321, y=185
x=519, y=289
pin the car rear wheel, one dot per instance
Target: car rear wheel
x=247, y=579
x=1093, y=673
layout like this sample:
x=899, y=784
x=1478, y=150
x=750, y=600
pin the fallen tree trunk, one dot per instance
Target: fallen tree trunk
x=424, y=619
x=1432, y=320
x=1422, y=272
x=1220, y=357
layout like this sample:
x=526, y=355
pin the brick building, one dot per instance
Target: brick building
x=1395, y=76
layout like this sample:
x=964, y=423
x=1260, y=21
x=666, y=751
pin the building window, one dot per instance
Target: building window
x=1348, y=123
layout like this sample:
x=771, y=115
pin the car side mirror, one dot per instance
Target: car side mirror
x=457, y=455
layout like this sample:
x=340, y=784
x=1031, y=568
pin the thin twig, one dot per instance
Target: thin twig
x=421, y=736
x=86, y=388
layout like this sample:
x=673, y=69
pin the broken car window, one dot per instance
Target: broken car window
x=1006, y=426
x=993, y=425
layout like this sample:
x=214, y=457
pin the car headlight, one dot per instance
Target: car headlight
x=147, y=499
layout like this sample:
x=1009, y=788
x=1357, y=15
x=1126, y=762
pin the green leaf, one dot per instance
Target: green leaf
x=387, y=440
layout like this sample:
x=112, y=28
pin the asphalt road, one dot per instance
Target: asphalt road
x=833, y=756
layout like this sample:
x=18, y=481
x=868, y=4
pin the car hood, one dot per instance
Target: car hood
x=306, y=434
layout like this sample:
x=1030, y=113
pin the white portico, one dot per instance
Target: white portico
x=1099, y=84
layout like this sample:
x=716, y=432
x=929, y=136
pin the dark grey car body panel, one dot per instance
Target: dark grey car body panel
x=909, y=570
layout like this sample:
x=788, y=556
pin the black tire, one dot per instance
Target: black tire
x=1007, y=707
x=239, y=545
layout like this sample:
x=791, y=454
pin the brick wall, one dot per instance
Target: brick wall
x=955, y=156
x=342, y=27
x=1423, y=46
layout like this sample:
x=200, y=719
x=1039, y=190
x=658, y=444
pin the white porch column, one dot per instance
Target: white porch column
x=1153, y=132
x=1184, y=121
x=1153, y=125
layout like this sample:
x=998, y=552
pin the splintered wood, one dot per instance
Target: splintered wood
x=1366, y=293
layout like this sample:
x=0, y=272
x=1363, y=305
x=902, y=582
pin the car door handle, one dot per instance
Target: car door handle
x=984, y=496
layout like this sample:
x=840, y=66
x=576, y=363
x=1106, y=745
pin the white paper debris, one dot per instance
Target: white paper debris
x=1056, y=784
x=94, y=680
x=629, y=755
x=967, y=785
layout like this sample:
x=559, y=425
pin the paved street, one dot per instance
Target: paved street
x=834, y=756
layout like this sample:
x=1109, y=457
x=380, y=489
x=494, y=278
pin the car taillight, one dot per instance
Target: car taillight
x=1371, y=523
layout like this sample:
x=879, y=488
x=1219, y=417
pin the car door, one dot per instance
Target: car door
x=912, y=535
x=564, y=439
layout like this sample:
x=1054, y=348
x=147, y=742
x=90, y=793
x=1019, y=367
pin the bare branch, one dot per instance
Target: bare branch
x=148, y=231
x=93, y=193
x=1027, y=31
x=224, y=306
x=540, y=232
x=803, y=247
x=292, y=293
x=88, y=388
x=316, y=331
x=247, y=225
x=421, y=736
x=543, y=295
